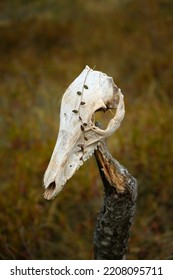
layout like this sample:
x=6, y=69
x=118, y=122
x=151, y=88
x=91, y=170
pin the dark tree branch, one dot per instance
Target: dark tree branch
x=115, y=218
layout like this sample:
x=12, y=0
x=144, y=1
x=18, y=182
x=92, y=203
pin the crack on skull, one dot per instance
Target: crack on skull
x=77, y=111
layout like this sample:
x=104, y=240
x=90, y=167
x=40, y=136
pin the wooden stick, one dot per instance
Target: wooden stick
x=115, y=218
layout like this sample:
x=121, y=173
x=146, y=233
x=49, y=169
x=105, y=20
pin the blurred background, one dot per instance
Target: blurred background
x=44, y=45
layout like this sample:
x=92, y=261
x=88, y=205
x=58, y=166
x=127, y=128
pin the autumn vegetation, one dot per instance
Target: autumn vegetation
x=44, y=45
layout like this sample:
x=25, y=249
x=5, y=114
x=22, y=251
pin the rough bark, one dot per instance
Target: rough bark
x=115, y=218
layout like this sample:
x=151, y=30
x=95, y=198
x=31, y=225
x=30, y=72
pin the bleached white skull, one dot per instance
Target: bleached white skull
x=78, y=135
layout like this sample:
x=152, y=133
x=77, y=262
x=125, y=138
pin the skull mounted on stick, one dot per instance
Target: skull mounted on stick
x=78, y=135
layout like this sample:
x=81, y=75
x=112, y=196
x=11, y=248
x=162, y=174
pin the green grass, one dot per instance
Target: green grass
x=43, y=47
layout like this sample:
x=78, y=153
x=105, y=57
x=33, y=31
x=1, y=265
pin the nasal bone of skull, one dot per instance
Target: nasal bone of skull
x=78, y=135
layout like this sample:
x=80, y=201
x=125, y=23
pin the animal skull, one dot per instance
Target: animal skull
x=78, y=135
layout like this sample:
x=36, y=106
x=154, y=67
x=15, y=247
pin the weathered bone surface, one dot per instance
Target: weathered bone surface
x=78, y=136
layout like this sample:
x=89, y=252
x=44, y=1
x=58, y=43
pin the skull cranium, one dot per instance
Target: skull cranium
x=78, y=135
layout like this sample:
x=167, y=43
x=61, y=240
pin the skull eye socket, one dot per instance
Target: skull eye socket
x=103, y=117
